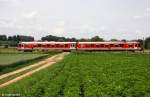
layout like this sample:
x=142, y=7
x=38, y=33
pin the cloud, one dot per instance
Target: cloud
x=102, y=28
x=87, y=28
x=146, y=14
x=148, y=9
x=6, y=22
x=59, y=27
x=30, y=15
x=137, y=17
x=10, y=2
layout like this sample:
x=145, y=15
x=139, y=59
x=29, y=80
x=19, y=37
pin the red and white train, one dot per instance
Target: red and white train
x=86, y=46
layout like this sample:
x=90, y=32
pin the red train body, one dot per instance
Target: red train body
x=90, y=46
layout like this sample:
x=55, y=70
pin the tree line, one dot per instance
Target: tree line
x=13, y=40
x=16, y=38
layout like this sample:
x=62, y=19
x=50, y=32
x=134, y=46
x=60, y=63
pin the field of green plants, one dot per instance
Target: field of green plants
x=89, y=75
x=6, y=59
x=11, y=59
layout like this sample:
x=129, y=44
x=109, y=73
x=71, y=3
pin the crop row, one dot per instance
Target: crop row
x=89, y=75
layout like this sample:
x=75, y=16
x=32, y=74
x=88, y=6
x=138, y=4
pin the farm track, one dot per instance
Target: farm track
x=41, y=65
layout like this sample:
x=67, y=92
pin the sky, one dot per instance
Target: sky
x=109, y=19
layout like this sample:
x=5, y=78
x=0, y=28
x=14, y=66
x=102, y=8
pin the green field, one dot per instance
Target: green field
x=8, y=50
x=11, y=59
x=89, y=75
x=6, y=59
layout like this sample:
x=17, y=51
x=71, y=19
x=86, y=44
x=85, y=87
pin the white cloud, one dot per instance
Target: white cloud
x=148, y=9
x=8, y=0
x=102, y=28
x=30, y=15
x=59, y=27
x=146, y=14
x=137, y=17
x=58, y=30
x=87, y=28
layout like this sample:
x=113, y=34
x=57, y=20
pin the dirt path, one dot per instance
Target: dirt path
x=43, y=64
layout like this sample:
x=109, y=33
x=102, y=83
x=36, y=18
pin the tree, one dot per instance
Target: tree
x=147, y=43
x=114, y=40
x=124, y=40
x=61, y=40
x=82, y=40
x=23, y=38
x=56, y=38
x=10, y=38
x=96, y=38
x=3, y=37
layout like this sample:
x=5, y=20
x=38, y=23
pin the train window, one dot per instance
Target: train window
x=57, y=45
x=111, y=45
x=82, y=45
x=19, y=45
x=39, y=45
x=34, y=45
x=43, y=45
x=97, y=45
x=139, y=45
x=27, y=45
x=136, y=45
x=121, y=45
x=48, y=45
x=116, y=45
x=106, y=45
x=130, y=45
x=92, y=45
x=101, y=45
x=72, y=45
x=61, y=45
x=88, y=45
x=53, y=45
x=66, y=45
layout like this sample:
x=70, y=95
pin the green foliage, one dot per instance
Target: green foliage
x=3, y=37
x=9, y=62
x=147, y=43
x=97, y=38
x=89, y=75
x=56, y=38
x=114, y=40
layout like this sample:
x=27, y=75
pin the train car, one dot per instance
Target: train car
x=30, y=46
x=86, y=46
x=109, y=46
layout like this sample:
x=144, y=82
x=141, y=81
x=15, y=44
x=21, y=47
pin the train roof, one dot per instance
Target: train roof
x=110, y=42
x=46, y=42
x=119, y=42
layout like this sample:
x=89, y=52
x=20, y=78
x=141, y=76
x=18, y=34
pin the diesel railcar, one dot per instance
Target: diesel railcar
x=85, y=46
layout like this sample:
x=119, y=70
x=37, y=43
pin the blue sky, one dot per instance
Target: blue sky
x=121, y=19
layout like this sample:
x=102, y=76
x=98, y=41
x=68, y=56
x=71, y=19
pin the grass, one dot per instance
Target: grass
x=7, y=59
x=11, y=59
x=18, y=74
x=89, y=75
x=16, y=61
x=8, y=50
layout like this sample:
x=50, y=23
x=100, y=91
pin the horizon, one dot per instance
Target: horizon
x=76, y=38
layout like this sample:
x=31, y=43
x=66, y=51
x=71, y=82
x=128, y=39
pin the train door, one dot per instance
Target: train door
x=22, y=46
x=72, y=46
